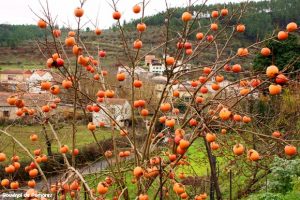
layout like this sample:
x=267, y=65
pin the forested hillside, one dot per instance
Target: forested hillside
x=261, y=18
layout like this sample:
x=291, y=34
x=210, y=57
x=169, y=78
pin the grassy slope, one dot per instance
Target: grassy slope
x=198, y=167
x=22, y=133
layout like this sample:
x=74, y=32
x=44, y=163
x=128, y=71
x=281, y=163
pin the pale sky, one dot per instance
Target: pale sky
x=18, y=12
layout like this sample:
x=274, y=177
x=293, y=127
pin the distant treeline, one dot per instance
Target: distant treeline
x=261, y=18
x=12, y=35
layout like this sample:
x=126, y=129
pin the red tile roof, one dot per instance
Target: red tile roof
x=115, y=101
x=31, y=99
x=15, y=71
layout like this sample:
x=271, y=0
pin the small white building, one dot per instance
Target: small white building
x=156, y=67
x=119, y=109
x=36, y=78
x=182, y=67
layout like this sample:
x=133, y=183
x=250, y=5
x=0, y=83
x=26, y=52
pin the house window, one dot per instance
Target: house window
x=5, y=113
x=11, y=77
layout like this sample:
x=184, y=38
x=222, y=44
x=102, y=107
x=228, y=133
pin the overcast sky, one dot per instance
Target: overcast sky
x=18, y=12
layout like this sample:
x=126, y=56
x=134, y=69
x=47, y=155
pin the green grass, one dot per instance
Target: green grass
x=30, y=67
x=198, y=167
x=198, y=160
x=22, y=133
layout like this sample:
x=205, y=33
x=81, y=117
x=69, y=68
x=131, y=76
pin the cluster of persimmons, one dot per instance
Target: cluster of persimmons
x=223, y=113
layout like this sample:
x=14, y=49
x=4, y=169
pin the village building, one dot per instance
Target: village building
x=8, y=112
x=118, y=109
x=139, y=72
x=12, y=80
x=41, y=75
x=148, y=59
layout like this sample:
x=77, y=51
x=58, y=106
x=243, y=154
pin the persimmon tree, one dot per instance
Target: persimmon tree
x=218, y=113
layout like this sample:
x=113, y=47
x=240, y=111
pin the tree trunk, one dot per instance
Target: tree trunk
x=48, y=142
x=214, y=183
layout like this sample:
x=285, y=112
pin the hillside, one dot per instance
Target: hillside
x=260, y=17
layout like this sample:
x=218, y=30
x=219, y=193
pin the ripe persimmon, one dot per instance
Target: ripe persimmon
x=282, y=35
x=290, y=150
x=176, y=93
x=141, y=27
x=281, y=79
x=33, y=137
x=144, y=112
x=242, y=52
x=272, y=71
x=291, y=27
x=186, y=16
x=224, y=114
x=253, y=155
x=136, y=9
x=116, y=15
x=4, y=182
x=138, y=172
x=98, y=31
x=219, y=78
x=240, y=28
x=67, y=84
x=210, y=137
x=71, y=33
x=91, y=126
x=42, y=24
x=170, y=61
x=276, y=134
x=199, y=99
x=78, y=12
x=64, y=149
x=2, y=157
x=215, y=14
x=109, y=93
x=137, y=44
x=265, y=52
x=207, y=70
x=275, y=89
x=10, y=169
x=238, y=149
x=224, y=12
x=143, y=197
x=165, y=107
x=246, y=119
x=214, y=146
x=102, y=189
x=121, y=76
x=33, y=173
x=14, y=185
x=56, y=33
x=199, y=36
x=170, y=123
x=214, y=26
x=184, y=144
x=46, y=108
x=178, y=188
x=31, y=183
x=137, y=83
x=70, y=41
x=236, y=68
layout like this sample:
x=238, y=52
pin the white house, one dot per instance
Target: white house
x=182, y=67
x=119, y=109
x=36, y=78
x=139, y=71
x=156, y=67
